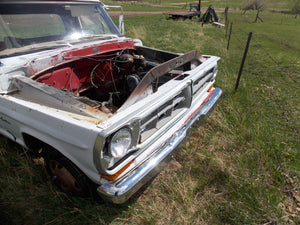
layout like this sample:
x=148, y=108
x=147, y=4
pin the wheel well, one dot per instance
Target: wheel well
x=32, y=142
x=50, y=153
x=36, y=145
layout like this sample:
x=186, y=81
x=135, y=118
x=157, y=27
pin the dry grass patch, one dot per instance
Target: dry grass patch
x=138, y=32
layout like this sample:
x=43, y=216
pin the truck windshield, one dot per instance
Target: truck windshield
x=33, y=26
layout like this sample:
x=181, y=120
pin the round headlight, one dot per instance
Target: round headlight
x=120, y=143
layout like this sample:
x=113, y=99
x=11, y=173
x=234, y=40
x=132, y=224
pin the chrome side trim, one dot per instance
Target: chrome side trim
x=120, y=191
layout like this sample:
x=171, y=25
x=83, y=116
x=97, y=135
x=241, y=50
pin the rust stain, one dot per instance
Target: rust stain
x=85, y=118
x=92, y=110
x=141, y=90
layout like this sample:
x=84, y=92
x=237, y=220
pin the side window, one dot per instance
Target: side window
x=94, y=24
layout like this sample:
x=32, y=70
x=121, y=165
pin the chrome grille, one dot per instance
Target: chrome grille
x=167, y=111
x=201, y=81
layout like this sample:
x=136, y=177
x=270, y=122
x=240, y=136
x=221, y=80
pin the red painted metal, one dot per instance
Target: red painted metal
x=97, y=50
x=73, y=71
x=205, y=100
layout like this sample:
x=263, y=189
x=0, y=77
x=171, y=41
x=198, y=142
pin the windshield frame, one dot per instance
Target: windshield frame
x=12, y=44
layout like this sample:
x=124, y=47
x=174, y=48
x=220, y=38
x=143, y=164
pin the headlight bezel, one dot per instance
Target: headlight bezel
x=103, y=160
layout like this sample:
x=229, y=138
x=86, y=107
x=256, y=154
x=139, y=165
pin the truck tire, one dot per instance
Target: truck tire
x=67, y=177
x=65, y=174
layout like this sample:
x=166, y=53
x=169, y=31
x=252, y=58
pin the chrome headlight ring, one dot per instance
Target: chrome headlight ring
x=111, y=151
x=120, y=143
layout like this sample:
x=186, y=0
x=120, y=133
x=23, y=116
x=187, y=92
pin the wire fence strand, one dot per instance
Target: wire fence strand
x=286, y=116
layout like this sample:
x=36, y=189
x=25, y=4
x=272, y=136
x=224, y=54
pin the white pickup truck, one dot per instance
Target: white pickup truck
x=104, y=111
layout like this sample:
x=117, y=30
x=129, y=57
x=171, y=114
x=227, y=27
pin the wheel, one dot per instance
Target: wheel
x=67, y=177
x=65, y=174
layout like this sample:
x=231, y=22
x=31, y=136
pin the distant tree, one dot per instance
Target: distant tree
x=254, y=5
x=258, y=5
x=296, y=8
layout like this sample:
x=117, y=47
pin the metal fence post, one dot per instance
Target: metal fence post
x=229, y=36
x=242, y=63
x=226, y=25
x=226, y=18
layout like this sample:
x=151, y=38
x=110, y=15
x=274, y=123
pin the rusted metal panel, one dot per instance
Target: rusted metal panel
x=52, y=97
x=142, y=90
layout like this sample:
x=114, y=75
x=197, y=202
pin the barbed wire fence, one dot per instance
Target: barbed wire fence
x=237, y=38
x=254, y=57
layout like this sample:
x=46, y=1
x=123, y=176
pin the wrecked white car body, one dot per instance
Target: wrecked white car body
x=92, y=101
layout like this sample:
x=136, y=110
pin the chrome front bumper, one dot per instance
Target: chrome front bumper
x=120, y=191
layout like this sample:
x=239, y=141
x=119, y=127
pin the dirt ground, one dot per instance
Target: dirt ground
x=114, y=14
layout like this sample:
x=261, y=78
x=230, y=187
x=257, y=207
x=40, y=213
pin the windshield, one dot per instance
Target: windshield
x=33, y=26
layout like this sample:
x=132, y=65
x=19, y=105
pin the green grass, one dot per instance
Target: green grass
x=166, y=5
x=235, y=169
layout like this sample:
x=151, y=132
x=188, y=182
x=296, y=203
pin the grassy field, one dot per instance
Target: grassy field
x=165, y=5
x=241, y=167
